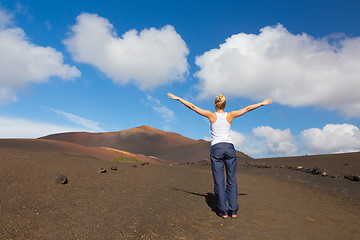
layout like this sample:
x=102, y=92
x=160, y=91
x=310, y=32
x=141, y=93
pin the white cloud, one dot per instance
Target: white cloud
x=88, y=124
x=7, y=95
x=238, y=138
x=254, y=152
x=150, y=58
x=22, y=128
x=333, y=138
x=278, y=142
x=266, y=141
x=5, y=18
x=250, y=144
x=22, y=62
x=295, y=70
x=165, y=113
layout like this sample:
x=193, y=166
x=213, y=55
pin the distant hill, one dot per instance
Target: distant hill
x=53, y=149
x=147, y=141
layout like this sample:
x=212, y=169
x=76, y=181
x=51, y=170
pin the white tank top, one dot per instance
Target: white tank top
x=220, y=130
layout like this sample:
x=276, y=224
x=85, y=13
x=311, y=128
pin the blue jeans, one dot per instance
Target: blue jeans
x=224, y=154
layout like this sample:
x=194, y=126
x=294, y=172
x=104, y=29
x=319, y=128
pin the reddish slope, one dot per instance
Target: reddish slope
x=57, y=147
x=144, y=140
x=54, y=148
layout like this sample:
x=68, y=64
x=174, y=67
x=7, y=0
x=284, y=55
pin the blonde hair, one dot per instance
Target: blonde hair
x=220, y=102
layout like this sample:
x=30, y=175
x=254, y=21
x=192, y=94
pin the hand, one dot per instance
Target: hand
x=172, y=96
x=267, y=101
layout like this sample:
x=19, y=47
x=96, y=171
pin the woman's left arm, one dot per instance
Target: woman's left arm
x=235, y=114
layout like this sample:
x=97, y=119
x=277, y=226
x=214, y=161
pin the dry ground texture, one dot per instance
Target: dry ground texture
x=160, y=202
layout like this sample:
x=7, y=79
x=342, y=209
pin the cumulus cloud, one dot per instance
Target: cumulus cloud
x=238, y=138
x=150, y=58
x=255, y=152
x=86, y=123
x=266, y=141
x=22, y=62
x=278, y=142
x=22, y=128
x=295, y=70
x=333, y=138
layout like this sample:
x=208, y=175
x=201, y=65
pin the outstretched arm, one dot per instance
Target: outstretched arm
x=202, y=112
x=235, y=114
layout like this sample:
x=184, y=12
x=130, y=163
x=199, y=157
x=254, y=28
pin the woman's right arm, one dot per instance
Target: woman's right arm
x=202, y=112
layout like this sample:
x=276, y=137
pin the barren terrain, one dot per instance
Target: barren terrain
x=168, y=201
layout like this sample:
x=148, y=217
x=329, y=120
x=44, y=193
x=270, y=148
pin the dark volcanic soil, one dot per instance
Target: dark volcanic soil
x=159, y=202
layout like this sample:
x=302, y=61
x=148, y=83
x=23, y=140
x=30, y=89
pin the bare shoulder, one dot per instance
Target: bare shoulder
x=231, y=115
x=212, y=117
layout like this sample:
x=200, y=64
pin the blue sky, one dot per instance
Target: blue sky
x=103, y=66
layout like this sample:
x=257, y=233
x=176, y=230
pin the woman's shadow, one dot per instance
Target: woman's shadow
x=210, y=198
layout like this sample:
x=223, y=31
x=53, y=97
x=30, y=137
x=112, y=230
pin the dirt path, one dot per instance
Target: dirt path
x=156, y=202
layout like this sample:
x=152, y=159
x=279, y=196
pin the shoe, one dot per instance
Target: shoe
x=233, y=216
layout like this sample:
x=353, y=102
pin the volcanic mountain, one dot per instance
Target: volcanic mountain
x=147, y=141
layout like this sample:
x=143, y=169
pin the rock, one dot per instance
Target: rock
x=203, y=162
x=335, y=176
x=315, y=171
x=134, y=165
x=145, y=163
x=114, y=168
x=299, y=168
x=61, y=179
x=348, y=176
x=101, y=170
x=355, y=178
x=324, y=174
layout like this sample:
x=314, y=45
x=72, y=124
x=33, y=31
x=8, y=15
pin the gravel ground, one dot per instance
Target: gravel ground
x=161, y=202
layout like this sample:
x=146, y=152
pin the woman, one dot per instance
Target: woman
x=222, y=151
